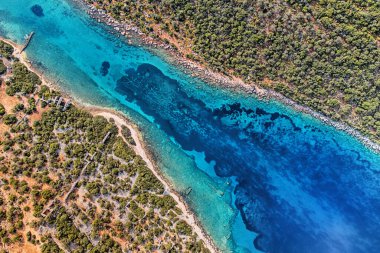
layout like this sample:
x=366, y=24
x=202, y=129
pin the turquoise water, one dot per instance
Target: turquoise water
x=299, y=185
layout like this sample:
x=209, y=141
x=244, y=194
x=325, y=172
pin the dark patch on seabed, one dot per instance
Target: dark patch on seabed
x=37, y=10
x=297, y=187
x=104, y=68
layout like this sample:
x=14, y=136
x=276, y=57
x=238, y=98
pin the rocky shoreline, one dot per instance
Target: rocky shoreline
x=135, y=36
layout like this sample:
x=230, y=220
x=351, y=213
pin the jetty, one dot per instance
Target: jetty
x=188, y=191
x=28, y=38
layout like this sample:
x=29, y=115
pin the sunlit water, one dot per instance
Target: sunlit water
x=252, y=166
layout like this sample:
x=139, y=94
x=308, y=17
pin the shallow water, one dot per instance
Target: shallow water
x=252, y=166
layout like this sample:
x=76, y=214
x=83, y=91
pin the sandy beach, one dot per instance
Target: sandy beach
x=141, y=150
x=140, y=147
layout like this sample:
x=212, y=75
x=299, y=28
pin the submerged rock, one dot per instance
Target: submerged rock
x=37, y=10
x=104, y=68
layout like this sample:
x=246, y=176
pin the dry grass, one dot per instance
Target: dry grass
x=26, y=247
x=7, y=101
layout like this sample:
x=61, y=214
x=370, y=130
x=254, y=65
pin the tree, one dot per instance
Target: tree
x=9, y=119
x=3, y=68
x=2, y=110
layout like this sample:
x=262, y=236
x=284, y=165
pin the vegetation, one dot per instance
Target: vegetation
x=321, y=53
x=127, y=135
x=22, y=80
x=2, y=110
x=6, y=50
x=50, y=247
x=9, y=119
x=183, y=228
x=70, y=183
x=3, y=68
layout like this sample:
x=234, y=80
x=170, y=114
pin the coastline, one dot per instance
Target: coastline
x=140, y=148
x=31, y=64
x=197, y=70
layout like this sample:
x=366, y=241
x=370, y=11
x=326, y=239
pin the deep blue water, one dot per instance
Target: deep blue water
x=256, y=166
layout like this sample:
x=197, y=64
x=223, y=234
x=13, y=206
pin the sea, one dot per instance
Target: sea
x=263, y=176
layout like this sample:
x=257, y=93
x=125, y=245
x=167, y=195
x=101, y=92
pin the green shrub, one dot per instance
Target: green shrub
x=9, y=119
x=3, y=68
x=2, y=110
